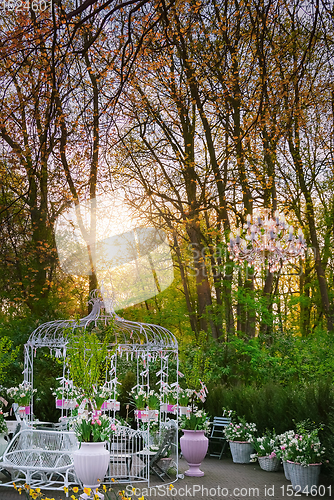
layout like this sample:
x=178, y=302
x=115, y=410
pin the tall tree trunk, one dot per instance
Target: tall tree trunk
x=203, y=287
x=191, y=312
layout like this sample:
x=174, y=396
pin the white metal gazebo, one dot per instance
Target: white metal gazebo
x=146, y=345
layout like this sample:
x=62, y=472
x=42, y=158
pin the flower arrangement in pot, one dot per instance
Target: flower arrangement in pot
x=267, y=451
x=66, y=394
x=185, y=397
x=91, y=460
x=306, y=449
x=139, y=400
x=240, y=436
x=102, y=396
x=152, y=400
x=302, y=454
x=153, y=404
x=168, y=399
x=194, y=443
x=92, y=428
x=22, y=396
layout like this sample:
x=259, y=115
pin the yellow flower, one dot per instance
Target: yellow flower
x=20, y=490
x=104, y=487
x=96, y=497
x=15, y=487
x=65, y=489
x=87, y=491
x=141, y=498
x=171, y=487
x=38, y=490
x=27, y=487
x=75, y=489
x=31, y=492
x=73, y=497
x=112, y=479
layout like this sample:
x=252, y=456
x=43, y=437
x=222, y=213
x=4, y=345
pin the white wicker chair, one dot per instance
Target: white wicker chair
x=41, y=458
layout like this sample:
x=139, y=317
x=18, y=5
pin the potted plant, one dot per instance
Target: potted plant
x=153, y=403
x=267, y=452
x=66, y=395
x=240, y=436
x=139, y=400
x=22, y=396
x=104, y=398
x=184, y=398
x=92, y=458
x=194, y=443
x=304, y=456
x=168, y=400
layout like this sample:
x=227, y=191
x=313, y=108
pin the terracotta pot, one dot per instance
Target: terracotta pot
x=194, y=445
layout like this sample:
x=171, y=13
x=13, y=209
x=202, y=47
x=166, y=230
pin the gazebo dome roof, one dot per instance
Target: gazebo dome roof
x=130, y=335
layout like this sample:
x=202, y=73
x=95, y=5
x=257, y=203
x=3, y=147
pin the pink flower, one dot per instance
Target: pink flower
x=113, y=427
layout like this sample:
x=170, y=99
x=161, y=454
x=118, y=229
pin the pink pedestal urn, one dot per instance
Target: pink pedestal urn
x=194, y=445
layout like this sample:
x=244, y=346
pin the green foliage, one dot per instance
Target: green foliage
x=284, y=358
x=8, y=355
x=87, y=356
x=274, y=406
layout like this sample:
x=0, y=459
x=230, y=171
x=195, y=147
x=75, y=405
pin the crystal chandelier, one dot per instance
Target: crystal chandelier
x=268, y=242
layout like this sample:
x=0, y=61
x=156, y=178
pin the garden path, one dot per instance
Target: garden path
x=222, y=479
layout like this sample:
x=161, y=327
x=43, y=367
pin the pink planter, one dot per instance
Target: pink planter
x=111, y=405
x=142, y=415
x=24, y=410
x=66, y=403
x=194, y=445
x=166, y=407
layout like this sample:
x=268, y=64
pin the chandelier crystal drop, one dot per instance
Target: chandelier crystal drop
x=268, y=242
